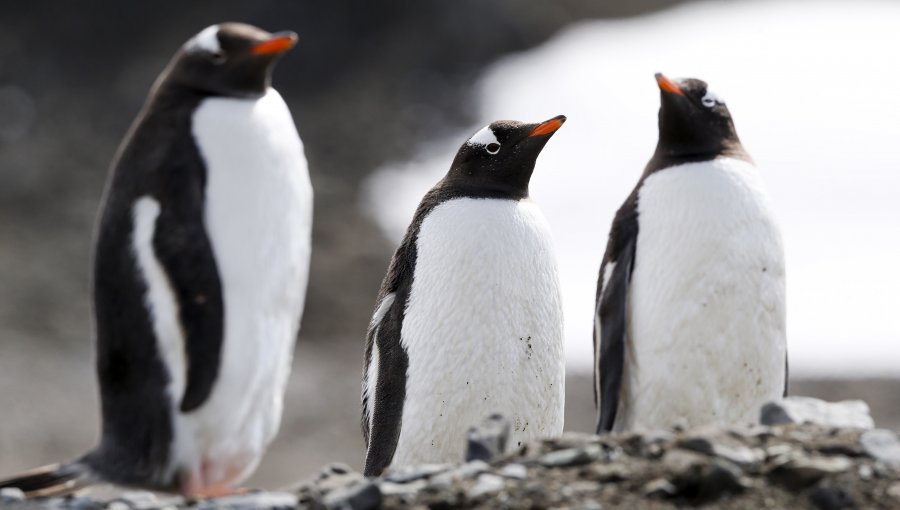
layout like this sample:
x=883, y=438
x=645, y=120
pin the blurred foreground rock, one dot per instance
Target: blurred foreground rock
x=785, y=466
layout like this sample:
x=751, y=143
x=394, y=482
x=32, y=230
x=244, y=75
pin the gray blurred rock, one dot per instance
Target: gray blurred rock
x=571, y=456
x=831, y=498
x=408, y=474
x=883, y=445
x=846, y=414
x=514, y=471
x=486, y=484
x=361, y=496
x=11, y=495
x=801, y=472
x=251, y=501
x=487, y=441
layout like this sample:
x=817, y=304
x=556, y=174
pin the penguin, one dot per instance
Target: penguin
x=200, y=271
x=468, y=321
x=689, y=325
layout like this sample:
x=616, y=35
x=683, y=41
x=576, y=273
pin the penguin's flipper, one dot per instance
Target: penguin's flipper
x=385, y=387
x=611, y=314
x=53, y=480
x=183, y=248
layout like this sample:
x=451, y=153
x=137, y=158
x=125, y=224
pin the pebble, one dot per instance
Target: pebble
x=571, y=456
x=801, y=472
x=486, y=484
x=848, y=414
x=487, y=441
x=402, y=489
x=881, y=444
x=408, y=474
x=360, y=496
x=659, y=488
x=251, y=501
x=514, y=471
x=464, y=472
x=894, y=491
x=11, y=495
x=831, y=498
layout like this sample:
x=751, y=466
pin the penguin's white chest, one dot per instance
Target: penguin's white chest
x=258, y=217
x=483, y=328
x=707, y=302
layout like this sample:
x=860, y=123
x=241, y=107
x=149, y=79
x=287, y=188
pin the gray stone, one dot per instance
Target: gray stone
x=139, y=500
x=487, y=483
x=402, y=489
x=251, y=501
x=831, y=498
x=571, y=456
x=659, y=488
x=360, y=496
x=894, y=491
x=847, y=414
x=11, y=495
x=514, y=471
x=801, y=472
x=488, y=440
x=881, y=444
x=464, y=472
x=412, y=473
x=117, y=505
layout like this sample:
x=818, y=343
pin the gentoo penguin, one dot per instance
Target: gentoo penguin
x=200, y=273
x=690, y=314
x=468, y=321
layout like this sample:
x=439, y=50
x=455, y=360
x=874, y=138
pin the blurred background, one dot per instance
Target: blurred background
x=383, y=94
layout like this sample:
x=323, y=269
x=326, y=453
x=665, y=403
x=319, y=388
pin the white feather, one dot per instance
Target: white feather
x=258, y=216
x=706, y=304
x=484, y=136
x=483, y=329
x=206, y=40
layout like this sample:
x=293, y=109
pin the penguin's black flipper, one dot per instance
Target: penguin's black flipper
x=611, y=313
x=52, y=480
x=183, y=248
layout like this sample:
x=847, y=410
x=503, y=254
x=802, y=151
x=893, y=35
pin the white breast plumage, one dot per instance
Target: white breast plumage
x=706, y=306
x=483, y=328
x=258, y=217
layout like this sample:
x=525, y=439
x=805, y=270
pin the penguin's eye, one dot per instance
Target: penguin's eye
x=492, y=148
x=218, y=57
x=710, y=100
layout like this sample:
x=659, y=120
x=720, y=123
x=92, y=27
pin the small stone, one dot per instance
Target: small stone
x=360, y=496
x=402, y=489
x=705, y=482
x=846, y=414
x=659, y=488
x=831, y=498
x=486, y=484
x=412, y=473
x=514, y=471
x=464, y=472
x=140, y=499
x=740, y=455
x=894, y=491
x=571, y=456
x=251, y=501
x=881, y=444
x=76, y=503
x=866, y=472
x=590, y=505
x=118, y=505
x=609, y=472
x=799, y=473
x=488, y=440
x=11, y=495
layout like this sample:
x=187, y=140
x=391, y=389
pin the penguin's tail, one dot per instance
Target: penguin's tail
x=52, y=480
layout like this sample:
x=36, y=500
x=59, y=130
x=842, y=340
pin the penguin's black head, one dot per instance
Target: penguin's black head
x=229, y=59
x=694, y=124
x=498, y=160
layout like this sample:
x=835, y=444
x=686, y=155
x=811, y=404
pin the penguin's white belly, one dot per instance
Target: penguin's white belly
x=258, y=216
x=483, y=329
x=707, y=300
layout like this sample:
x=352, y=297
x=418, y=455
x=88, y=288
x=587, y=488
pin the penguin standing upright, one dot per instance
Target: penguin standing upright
x=690, y=318
x=200, y=273
x=468, y=321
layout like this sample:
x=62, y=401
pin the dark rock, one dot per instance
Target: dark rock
x=801, y=472
x=831, y=498
x=883, y=445
x=847, y=414
x=705, y=482
x=360, y=496
x=488, y=440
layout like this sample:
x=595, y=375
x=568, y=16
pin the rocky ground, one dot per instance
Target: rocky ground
x=788, y=466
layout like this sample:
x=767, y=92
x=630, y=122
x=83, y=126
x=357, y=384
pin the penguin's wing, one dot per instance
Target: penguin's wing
x=182, y=247
x=610, y=317
x=384, y=376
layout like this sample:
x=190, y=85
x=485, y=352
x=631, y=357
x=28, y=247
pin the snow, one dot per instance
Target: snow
x=815, y=92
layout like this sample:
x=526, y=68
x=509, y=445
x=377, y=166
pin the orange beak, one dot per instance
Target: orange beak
x=279, y=43
x=667, y=85
x=548, y=127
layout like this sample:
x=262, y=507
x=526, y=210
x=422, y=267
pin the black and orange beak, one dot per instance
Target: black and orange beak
x=276, y=45
x=667, y=85
x=548, y=127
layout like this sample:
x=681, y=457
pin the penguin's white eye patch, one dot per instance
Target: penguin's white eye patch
x=711, y=99
x=207, y=40
x=486, y=138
